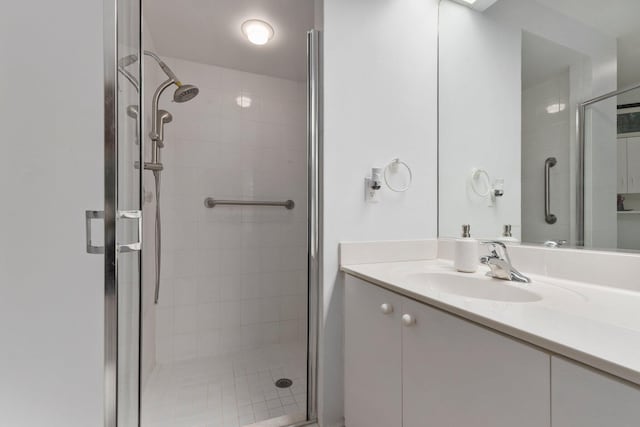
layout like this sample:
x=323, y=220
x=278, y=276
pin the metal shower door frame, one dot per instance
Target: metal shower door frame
x=315, y=205
x=111, y=212
x=581, y=170
x=315, y=214
x=110, y=17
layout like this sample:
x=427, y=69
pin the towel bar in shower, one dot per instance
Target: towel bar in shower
x=210, y=202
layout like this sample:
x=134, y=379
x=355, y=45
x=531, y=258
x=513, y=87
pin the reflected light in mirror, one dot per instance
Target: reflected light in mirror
x=479, y=5
x=244, y=101
x=555, y=108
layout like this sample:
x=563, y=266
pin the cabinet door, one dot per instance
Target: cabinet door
x=582, y=397
x=458, y=374
x=622, y=165
x=373, y=372
x=633, y=164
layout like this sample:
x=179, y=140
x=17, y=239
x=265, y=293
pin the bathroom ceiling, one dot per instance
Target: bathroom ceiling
x=617, y=18
x=208, y=31
x=542, y=59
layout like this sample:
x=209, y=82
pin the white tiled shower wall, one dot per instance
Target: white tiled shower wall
x=232, y=277
x=546, y=135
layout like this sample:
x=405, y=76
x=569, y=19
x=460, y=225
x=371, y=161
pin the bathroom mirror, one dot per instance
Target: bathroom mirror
x=539, y=121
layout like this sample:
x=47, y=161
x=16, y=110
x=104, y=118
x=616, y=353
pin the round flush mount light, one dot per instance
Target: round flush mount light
x=257, y=31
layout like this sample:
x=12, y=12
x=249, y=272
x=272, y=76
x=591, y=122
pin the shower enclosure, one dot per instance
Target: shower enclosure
x=211, y=313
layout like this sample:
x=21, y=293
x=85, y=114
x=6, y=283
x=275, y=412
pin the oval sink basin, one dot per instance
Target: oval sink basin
x=475, y=287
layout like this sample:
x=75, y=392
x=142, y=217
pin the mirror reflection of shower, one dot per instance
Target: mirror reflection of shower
x=183, y=93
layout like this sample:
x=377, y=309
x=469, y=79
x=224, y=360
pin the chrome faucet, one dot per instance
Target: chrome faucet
x=500, y=264
x=555, y=243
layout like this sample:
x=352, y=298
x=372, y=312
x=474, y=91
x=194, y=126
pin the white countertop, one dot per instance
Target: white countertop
x=595, y=325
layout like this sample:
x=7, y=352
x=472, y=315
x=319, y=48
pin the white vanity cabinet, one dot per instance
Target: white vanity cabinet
x=421, y=367
x=373, y=361
x=456, y=373
x=582, y=397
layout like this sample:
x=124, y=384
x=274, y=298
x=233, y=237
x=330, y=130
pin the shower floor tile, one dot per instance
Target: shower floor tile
x=235, y=390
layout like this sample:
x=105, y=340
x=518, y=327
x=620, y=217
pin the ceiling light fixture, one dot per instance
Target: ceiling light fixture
x=258, y=32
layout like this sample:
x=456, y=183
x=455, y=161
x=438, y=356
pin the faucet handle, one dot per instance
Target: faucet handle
x=494, y=243
x=493, y=247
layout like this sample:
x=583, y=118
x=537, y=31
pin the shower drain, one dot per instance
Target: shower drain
x=284, y=383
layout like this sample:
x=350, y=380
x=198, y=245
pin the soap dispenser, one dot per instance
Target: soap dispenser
x=466, y=256
x=506, y=234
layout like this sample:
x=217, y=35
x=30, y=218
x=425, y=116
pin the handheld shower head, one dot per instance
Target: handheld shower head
x=185, y=93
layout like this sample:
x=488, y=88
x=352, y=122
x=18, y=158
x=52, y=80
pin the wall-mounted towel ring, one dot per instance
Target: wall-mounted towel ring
x=477, y=175
x=393, y=167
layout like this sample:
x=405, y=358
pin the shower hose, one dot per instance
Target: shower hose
x=158, y=254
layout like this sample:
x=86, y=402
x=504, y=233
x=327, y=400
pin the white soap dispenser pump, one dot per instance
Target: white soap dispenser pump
x=466, y=255
x=506, y=234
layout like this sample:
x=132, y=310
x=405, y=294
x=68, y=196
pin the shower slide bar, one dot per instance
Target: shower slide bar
x=210, y=202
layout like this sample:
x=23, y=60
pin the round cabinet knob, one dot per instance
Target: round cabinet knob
x=386, y=308
x=408, y=320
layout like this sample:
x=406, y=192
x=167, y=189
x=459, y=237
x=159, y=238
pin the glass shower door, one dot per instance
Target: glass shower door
x=122, y=214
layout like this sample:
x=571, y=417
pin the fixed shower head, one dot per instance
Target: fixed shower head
x=185, y=93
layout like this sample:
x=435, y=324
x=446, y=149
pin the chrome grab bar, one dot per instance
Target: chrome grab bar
x=548, y=216
x=210, y=202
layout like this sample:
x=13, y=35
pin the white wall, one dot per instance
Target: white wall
x=51, y=171
x=480, y=86
x=233, y=278
x=380, y=102
x=551, y=25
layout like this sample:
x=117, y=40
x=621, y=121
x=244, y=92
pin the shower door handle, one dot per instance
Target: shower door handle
x=88, y=217
x=548, y=216
x=136, y=246
x=122, y=248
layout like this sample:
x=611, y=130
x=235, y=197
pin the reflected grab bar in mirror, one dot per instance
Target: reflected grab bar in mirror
x=210, y=202
x=548, y=216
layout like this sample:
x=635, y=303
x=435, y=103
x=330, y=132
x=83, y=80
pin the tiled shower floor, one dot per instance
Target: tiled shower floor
x=235, y=390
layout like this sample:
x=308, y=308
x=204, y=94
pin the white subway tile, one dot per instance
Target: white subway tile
x=208, y=316
x=184, y=291
x=164, y=321
x=184, y=319
x=185, y=346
